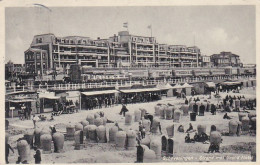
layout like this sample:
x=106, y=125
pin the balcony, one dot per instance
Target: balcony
x=144, y=49
x=122, y=55
x=144, y=55
x=119, y=48
x=174, y=57
x=142, y=61
x=164, y=62
x=68, y=60
x=102, y=53
x=88, y=60
x=143, y=43
x=163, y=56
x=78, y=45
x=188, y=57
x=162, y=50
x=103, y=61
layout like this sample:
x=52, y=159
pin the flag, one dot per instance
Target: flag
x=149, y=27
x=125, y=25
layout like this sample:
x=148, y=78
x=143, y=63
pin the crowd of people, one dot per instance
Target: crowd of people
x=99, y=102
x=68, y=106
x=25, y=112
x=139, y=98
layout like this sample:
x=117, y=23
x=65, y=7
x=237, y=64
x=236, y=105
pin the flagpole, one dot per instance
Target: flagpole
x=150, y=27
x=151, y=32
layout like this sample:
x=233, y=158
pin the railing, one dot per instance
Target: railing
x=118, y=83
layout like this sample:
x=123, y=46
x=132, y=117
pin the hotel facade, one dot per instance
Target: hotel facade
x=48, y=52
x=224, y=59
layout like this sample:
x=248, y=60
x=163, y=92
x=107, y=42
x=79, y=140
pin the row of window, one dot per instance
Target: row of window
x=85, y=42
x=32, y=56
x=146, y=40
x=38, y=65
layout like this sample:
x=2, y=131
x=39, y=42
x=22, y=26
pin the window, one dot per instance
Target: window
x=38, y=56
x=38, y=40
x=26, y=56
x=44, y=65
x=43, y=55
x=32, y=57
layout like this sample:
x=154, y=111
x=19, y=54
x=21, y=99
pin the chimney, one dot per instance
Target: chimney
x=98, y=38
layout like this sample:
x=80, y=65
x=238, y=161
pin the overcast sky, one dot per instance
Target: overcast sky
x=215, y=28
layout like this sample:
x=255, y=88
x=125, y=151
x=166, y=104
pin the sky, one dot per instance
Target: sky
x=212, y=28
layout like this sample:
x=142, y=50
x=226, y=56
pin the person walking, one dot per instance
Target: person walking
x=29, y=113
x=123, y=110
x=26, y=109
x=7, y=149
x=142, y=130
x=22, y=114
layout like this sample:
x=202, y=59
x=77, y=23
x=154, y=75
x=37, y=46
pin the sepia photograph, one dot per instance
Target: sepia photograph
x=129, y=84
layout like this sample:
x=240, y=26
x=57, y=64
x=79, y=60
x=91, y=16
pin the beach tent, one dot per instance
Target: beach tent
x=253, y=82
x=178, y=88
x=250, y=83
x=245, y=83
x=167, y=87
x=187, y=88
x=209, y=87
x=211, y=84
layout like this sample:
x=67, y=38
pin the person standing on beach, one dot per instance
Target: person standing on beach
x=37, y=157
x=34, y=121
x=7, y=149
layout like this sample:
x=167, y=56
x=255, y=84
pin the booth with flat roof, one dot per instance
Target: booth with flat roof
x=47, y=100
x=141, y=94
x=13, y=106
x=91, y=94
x=209, y=87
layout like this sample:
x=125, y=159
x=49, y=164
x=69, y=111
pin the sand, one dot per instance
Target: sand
x=232, y=148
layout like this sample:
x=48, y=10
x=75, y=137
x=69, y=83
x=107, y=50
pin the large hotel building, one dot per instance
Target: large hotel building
x=123, y=50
